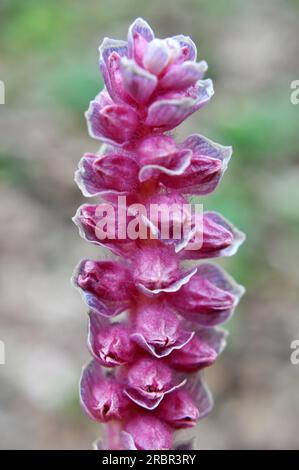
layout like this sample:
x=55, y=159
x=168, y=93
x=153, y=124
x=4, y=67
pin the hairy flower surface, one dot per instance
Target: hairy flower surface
x=153, y=319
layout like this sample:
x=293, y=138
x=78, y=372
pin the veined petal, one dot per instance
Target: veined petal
x=139, y=35
x=156, y=56
x=174, y=165
x=179, y=410
x=113, y=123
x=156, y=270
x=100, y=224
x=194, y=356
x=107, y=49
x=148, y=380
x=98, y=174
x=208, y=163
x=201, y=395
x=200, y=177
x=110, y=344
x=189, y=50
x=106, y=286
x=170, y=218
x=102, y=397
x=216, y=237
x=159, y=331
x=203, y=146
x=209, y=298
x=168, y=113
x=138, y=83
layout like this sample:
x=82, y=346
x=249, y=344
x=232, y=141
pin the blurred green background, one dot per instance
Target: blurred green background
x=48, y=62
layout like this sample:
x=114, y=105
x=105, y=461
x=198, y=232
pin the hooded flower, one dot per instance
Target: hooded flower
x=201, y=351
x=110, y=344
x=102, y=398
x=148, y=380
x=156, y=269
x=185, y=407
x=152, y=85
x=101, y=174
x=159, y=331
x=209, y=298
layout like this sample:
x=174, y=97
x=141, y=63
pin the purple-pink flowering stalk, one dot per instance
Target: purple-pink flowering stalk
x=168, y=329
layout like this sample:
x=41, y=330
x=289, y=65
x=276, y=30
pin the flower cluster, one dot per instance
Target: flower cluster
x=152, y=318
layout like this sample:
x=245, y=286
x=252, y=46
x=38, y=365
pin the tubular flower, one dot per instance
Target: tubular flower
x=143, y=380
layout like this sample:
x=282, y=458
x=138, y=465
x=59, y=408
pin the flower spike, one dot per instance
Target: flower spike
x=153, y=321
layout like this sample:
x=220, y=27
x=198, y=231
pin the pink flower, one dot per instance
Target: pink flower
x=185, y=407
x=200, y=352
x=209, y=298
x=152, y=85
x=159, y=331
x=148, y=380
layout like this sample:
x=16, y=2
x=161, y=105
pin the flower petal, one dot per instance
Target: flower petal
x=156, y=56
x=209, y=298
x=156, y=270
x=113, y=123
x=158, y=330
x=138, y=83
x=197, y=354
x=106, y=286
x=98, y=174
x=168, y=113
x=181, y=76
x=215, y=237
x=101, y=397
x=144, y=432
x=148, y=380
x=170, y=166
x=201, y=395
x=188, y=47
x=179, y=409
x=109, y=343
x=201, y=145
x=200, y=177
x=108, y=49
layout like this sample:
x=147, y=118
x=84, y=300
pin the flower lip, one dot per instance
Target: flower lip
x=158, y=330
x=148, y=381
x=145, y=432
